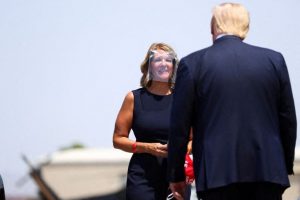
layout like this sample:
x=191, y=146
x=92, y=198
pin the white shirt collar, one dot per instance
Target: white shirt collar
x=222, y=35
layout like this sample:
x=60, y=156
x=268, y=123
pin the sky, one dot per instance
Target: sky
x=66, y=65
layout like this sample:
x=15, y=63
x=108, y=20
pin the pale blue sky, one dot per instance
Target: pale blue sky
x=65, y=66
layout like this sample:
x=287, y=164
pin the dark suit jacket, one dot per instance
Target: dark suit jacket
x=238, y=99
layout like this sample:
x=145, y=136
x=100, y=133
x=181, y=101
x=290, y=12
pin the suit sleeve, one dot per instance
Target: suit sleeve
x=181, y=121
x=287, y=117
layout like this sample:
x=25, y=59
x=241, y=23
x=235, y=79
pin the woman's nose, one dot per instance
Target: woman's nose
x=164, y=61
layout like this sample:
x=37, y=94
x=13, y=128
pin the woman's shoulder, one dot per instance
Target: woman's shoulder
x=138, y=91
x=129, y=98
x=131, y=94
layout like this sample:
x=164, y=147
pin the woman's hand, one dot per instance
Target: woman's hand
x=157, y=149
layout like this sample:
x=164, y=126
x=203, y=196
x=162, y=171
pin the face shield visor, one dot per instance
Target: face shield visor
x=161, y=66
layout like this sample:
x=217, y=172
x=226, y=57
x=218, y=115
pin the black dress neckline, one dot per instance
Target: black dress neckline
x=159, y=95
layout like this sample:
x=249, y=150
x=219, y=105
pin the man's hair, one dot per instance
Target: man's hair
x=230, y=18
x=145, y=80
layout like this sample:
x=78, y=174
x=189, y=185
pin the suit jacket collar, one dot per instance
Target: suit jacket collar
x=227, y=37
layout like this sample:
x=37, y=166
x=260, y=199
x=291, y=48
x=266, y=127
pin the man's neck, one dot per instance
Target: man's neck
x=219, y=35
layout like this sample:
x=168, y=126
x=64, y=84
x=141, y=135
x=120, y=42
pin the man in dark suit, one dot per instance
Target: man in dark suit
x=238, y=99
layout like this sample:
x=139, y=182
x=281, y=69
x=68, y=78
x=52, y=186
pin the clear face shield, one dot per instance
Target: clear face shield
x=161, y=66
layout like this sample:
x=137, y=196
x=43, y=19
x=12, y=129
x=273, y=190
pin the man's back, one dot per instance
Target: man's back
x=239, y=96
x=239, y=102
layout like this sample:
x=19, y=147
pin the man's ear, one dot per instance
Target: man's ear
x=212, y=24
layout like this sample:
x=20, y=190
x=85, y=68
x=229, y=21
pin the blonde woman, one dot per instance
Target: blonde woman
x=146, y=111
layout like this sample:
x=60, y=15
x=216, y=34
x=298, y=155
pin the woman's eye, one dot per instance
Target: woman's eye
x=157, y=60
x=160, y=59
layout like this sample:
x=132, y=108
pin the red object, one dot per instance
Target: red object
x=189, y=169
x=134, y=147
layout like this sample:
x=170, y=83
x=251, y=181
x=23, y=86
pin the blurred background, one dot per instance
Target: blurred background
x=66, y=66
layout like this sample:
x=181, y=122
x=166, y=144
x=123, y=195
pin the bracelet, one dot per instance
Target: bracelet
x=134, y=147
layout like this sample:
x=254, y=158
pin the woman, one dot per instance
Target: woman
x=147, y=112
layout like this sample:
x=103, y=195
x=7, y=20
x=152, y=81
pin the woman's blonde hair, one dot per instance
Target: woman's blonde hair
x=145, y=79
x=231, y=18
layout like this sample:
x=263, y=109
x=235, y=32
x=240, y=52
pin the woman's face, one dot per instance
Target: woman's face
x=161, y=66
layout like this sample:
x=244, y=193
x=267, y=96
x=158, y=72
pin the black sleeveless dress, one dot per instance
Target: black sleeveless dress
x=146, y=177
